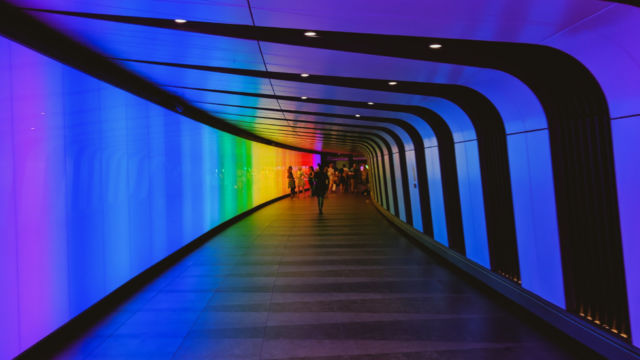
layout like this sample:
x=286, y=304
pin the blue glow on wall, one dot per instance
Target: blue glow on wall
x=97, y=185
x=535, y=215
x=436, y=197
x=471, y=200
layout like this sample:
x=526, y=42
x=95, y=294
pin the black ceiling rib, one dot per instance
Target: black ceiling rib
x=627, y=2
x=258, y=117
x=270, y=118
x=421, y=164
x=24, y=29
x=579, y=132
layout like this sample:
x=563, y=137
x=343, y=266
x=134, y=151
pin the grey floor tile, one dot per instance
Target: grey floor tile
x=204, y=348
x=156, y=347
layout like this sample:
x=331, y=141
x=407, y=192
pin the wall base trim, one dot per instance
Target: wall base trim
x=63, y=336
x=594, y=338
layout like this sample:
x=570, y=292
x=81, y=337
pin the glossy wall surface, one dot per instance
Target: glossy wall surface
x=96, y=185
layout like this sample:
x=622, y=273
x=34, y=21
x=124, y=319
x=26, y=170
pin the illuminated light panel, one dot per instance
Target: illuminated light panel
x=392, y=83
x=311, y=34
x=357, y=115
x=126, y=183
x=180, y=21
x=303, y=97
x=370, y=103
x=304, y=75
x=435, y=46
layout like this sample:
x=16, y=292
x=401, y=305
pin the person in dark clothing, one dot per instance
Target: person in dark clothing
x=310, y=179
x=352, y=178
x=321, y=186
x=292, y=181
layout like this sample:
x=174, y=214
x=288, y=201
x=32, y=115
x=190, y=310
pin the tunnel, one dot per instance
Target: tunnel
x=464, y=179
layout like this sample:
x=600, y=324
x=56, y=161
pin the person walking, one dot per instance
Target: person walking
x=291, y=181
x=352, y=178
x=330, y=173
x=321, y=187
x=310, y=179
x=343, y=178
x=300, y=181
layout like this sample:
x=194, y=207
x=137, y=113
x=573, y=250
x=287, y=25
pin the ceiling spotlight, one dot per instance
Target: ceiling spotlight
x=310, y=34
x=393, y=83
x=435, y=46
x=369, y=103
x=180, y=21
x=303, y=97
x=357, y=115
x=304, y=75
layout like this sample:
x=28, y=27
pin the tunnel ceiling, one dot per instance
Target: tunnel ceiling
x=242, y=62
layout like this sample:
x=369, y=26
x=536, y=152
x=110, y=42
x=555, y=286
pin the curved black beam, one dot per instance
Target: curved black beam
x=392, y=176
x=635, y=3
x=446, y=150
x=418, y=143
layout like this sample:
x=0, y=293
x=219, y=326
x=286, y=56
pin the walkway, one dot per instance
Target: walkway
x=287, y=283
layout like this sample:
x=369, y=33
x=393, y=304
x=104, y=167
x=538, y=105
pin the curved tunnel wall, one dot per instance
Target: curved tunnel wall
x=97, y=185
x=536, y=160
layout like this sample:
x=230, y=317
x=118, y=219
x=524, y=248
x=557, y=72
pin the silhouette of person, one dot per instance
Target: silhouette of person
x=321, y=187
x=291, y=181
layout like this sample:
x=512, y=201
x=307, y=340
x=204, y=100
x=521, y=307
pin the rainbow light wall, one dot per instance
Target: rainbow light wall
x=97, y=185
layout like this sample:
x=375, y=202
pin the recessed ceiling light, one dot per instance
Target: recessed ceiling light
x=304, y=75
x=303, y=97
x=357, y=115
x=393, y=83
x=180, y=21
x=310, y=34
x=369, y=103
x=435, y=46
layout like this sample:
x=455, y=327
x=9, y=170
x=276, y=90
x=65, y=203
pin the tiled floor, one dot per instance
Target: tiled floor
x=287, y=283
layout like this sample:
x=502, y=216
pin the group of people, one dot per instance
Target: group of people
x=326, y=179
x=348, y=179
x=317, y=179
